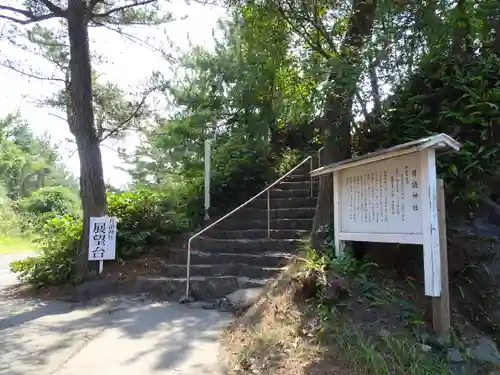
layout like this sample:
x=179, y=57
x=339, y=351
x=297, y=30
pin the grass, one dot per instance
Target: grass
x=11, y=245
x=368, y=332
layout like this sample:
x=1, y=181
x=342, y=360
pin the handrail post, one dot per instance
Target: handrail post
x=268, y=213
x=188, y=270
x=310, y=175
x=319, y=156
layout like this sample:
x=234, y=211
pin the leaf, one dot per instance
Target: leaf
x=454, y=169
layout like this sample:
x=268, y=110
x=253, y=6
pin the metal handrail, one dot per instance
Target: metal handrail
x=319, y=156
x=267, y=189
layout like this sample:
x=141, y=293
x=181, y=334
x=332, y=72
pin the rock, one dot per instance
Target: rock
x=429, y=338
x=485, y=350
x=119, y=305
x=94, y=288
x=217, y=286
x=425, y=348
x=384, y=333
x=186, y=299
x=310, y=286
x=454, y=355
x=242, y=299
x=335, y=286
x=462, y=369
x=224, y=305
x=200, y=305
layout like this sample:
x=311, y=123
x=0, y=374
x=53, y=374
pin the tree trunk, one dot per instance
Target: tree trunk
x=495, y=45
x=92, y=187
x=336, y=126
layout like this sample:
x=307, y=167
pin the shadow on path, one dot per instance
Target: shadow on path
x=151, y=338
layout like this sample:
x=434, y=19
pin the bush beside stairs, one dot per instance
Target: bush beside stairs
x=237, y=253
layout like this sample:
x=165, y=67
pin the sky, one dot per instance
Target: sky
x=128, y=65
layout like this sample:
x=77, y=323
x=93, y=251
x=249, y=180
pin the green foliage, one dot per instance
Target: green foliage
x=240, y=169
x=56, y=199
x=55, y=264
x=324, y=260
x=392, y=353
x=9, y=221
x=289, y=159
x=45, y=204
x=145, y=217
x=28, y=162
x=459, y=96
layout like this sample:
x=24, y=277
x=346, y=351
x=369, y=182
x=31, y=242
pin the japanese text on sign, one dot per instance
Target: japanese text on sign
x=102, y=241
x=382, y=197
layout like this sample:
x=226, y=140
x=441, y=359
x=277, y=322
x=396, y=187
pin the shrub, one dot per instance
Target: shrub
x=58, y=243
x=240, y=169
x=288, y=160
x=57, y=199
x=45, y=204
x=144, y=217
x=9, y=221
x=457, y=96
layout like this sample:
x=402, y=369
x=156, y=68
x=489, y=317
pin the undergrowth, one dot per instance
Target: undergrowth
x=373, y=329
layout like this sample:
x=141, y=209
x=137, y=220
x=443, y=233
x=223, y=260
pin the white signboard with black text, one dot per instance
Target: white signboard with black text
x=382, y=197
x=102, y=241
x=391, y=196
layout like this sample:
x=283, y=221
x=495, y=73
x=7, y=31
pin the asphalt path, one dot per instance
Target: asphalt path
x=113, y=335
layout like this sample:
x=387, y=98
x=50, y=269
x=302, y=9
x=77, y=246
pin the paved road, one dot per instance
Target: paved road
x=6, y=277
x=116, y=335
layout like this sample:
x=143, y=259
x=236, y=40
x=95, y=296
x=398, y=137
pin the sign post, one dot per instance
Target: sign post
x=102, y=240
x=392, y=196
x=441, y=314
x=207, y=178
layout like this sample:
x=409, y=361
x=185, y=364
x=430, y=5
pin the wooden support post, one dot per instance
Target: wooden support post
x=441, y=318
x=339, y=245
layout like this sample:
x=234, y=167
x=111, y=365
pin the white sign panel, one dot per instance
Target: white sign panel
x=102, y=241
x=391, y=200
x=382, y=197
x=391, y=196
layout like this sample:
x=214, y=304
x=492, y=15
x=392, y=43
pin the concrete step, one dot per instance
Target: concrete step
x=275, y=213
x=293, y=202
x=245, y=246
x=259, y=233
x=299, y=177
x=233, y=223
x=294, y=185
x=277, y=193
x=263, y=259
x=226, y=269
x=202, y=288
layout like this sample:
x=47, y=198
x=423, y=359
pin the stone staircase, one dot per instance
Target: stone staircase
x=237, y=253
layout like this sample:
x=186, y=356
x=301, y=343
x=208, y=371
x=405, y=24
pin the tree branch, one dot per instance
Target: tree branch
x=30, y=75
x=135, y=39
x=59, y=117
x=30, y=16
x=317, y=47
x=25, y=13
x=92, y=4
x=134, y=114
x=53, y=8
x=119, y=9
x=29, y=20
